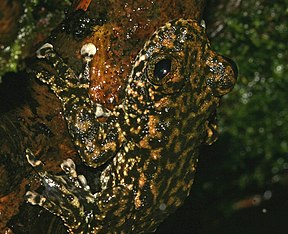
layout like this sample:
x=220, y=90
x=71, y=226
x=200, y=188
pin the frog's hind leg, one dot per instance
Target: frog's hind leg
x=69, y=197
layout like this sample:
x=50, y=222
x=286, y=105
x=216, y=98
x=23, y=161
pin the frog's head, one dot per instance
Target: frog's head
x=177, y=82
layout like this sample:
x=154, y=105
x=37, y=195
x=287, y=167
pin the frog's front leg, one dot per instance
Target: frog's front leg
x=69, y=197
x=96, y=142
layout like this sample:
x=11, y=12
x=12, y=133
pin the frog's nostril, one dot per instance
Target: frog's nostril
x=233, y=65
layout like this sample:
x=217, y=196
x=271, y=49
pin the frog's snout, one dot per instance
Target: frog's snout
x=221, y=74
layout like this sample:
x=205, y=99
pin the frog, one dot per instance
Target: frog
x=147, y=146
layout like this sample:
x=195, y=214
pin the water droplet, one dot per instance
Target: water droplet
x=264, y=211
x=267, y=195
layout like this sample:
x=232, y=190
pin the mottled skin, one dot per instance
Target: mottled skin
x=36, y=121
x=148, y=144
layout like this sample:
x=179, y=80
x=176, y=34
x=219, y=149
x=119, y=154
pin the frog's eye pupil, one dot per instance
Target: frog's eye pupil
x=162, y=68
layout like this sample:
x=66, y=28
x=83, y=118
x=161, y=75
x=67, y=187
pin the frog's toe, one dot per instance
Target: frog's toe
x=35, y=198
x=37, y=164
x=41, y=200
x=44, y=50
x=68, y=166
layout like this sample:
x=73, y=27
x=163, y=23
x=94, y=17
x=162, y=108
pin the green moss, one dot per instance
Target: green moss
x=32, y=23
x=252, y=149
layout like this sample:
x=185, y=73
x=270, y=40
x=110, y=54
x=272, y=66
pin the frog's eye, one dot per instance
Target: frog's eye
x=164, y=73
x=162, y=69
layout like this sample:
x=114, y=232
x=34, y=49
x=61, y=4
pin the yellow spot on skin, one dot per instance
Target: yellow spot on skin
x=152, y=124
x=175, y=134
x=154, y=191
x=126, y=149
x=165, y=101
x=178, y=203
x=151, y=93
x=110, y=146
x=137, y=200
x=177, y=148
x=142, y=180
x=156, y=154
x=193, y=168
x=170, y=166
x=134, y=106
x=125, y=173
x=144, y=143
x=77, y=143
x=83, y=126
x=135, y=131
x=140, y=84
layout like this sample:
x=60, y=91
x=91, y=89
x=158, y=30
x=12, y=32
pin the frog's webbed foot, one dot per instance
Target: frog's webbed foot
x=69, y=197
x=65, y=82
x=64, y=72
x=60, y=77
